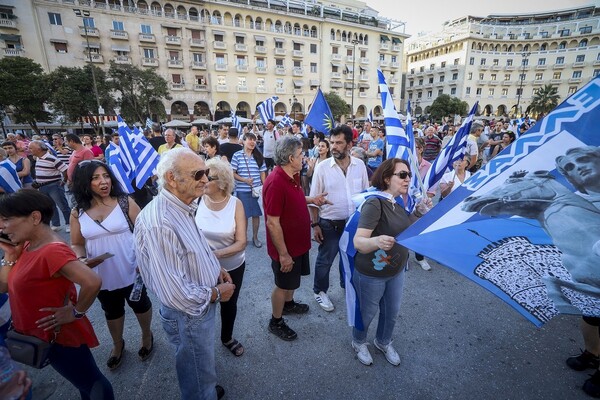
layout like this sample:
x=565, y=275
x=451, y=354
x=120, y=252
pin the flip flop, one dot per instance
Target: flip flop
x=235, y=347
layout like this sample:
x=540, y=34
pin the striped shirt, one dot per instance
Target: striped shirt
x=246, y=167
x=64, y=157
x=49, y=168
x=174, y=258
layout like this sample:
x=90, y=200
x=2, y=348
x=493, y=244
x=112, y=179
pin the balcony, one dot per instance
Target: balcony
x=97, y=58
x=509, y=67
x=261, y=70
x=481, y=82
x=348, y=93
x=484, y=67
x=596, y=63
x=336, y=75
x=241, y=67
x=221, y=67
x=558, y=66
x=454, y=67
x=280, y=90
x=261, y=89
x=395, y=64
x=496, y=68
x=384, y=63
x=555, y=81
x=579, y=64
x=297, y=71
x=279, y=70
x=363, y=77
x=384, y=46
x=175, y=63
x=439, y=84
x=394, y=81
x=219, y=45
x=349, y=59
x=364, y=60
x=336, y=57
x=197, y=42
x=119, y=35
x=149, y=62
x=198, y=65
x=362, y=94
x=242, y=89
x=177, y=86
x=200, y=88
x=493, y=83
x=506, y=83
x=297, y=53
x=91, y=32
x=147, y=37
x=8, y=23
x=279, y=51
x=122, y=60
x=222, y=88
x=14, y=52
x=575, y=80
x=541, y=67
x=538, y=82
x=298, y=91
x=173, y=40
x=396, y=48
x=241, y=47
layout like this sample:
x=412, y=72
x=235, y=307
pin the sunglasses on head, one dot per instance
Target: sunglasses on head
x=403, y=174
x=200, y=174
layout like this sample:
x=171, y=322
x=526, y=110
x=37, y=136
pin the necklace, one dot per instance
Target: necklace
x=216, y=202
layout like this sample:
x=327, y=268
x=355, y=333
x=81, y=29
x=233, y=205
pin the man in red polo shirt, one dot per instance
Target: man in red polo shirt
x=288, y=232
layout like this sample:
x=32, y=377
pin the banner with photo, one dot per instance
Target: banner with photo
x=527, y=225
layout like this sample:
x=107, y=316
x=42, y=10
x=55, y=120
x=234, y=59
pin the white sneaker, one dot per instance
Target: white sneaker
x=324, y=301
x=424, y=264
x=362, y=352
x=55, y=228
x=68, y=228
x=390, y=353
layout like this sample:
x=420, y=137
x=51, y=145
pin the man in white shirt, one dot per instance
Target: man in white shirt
x=269, y=137
x=340, y=176
x=472, y=148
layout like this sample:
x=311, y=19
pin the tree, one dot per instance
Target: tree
x=337, y=105
x=544, y=101
x=445, y=105
x=23, y=89
x=72, y=93
x=139, y=89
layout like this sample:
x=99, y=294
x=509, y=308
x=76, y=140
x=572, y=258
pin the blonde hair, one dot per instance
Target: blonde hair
x=223, y=171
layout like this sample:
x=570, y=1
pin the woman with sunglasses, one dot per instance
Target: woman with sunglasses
x=223, y=222
x=380, y=262
x=102, y=223
x=40, y=272
x=249, y=171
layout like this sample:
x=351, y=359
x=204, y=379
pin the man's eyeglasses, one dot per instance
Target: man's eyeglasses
x=403, y=174
x=200, y=174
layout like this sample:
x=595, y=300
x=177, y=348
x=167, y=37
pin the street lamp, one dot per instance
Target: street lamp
x=354, y=43
x=293, y=101
x=521, y=78
x=85, y=14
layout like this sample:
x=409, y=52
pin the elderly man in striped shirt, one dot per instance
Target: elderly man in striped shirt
x=177, y=264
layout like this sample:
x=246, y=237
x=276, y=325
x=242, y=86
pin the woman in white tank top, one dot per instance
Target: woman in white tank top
x=221, y=218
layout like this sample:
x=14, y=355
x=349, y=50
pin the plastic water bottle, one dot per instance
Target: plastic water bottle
x=136, y=292
x=8, y=376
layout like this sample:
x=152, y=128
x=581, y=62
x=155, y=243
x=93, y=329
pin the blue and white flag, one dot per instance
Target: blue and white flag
x=149, y=123
x=113, y=160
x=320, y=116
x=453, y=151
x=266, y=109
x=235, y=122
x=400, y=143
x=370, y=117
x=527, y=225
x=138, y=157
x=9, y=180
x=285, y=121
x=304, y=130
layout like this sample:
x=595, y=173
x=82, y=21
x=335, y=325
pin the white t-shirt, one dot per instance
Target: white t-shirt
x=269, y=143
x=450, y=176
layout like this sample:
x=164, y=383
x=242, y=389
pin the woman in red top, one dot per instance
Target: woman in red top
x=39, y=273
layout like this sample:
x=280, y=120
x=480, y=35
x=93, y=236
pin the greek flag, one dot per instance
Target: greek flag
x=303, y=131
x=400, y=143
x=137, y=154
x=370, y=117
x=149, y=123
x=113, y=158
x=453, y=151
x=266, y=109
x=235, y=122
x=9, y=180
x=285, y=121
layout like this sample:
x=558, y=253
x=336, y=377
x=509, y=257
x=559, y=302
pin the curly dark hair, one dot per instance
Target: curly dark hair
x=82, y=179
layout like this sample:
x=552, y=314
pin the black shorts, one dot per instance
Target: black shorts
x=270, y=163
x=113, y=302
x=291, y=280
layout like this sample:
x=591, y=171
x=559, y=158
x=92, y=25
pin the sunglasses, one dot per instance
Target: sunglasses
x=212, y=178
x=200, y=174
x=403, y=174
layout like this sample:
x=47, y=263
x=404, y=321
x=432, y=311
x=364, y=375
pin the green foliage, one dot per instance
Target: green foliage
x=337, y=105
x=544, y=101
x=445, y=105
x=140, y=91
x=24, y=90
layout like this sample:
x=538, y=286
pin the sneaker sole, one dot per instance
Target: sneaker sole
x=385, y=354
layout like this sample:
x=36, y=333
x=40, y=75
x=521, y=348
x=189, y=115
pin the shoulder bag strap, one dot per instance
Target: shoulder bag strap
x=124, y=204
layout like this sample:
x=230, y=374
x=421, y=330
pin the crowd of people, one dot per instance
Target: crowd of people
x=186, y=242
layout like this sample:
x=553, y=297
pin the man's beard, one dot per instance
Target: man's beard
x=339, y=156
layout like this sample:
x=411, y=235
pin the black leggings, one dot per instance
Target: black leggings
x=113, y=302
x=229, y=308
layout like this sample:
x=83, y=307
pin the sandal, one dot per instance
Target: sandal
x=235, y=347
x=144, y=353
x=114, y=362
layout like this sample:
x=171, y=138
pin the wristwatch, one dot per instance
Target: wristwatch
x=77, y=314
x=313, y=224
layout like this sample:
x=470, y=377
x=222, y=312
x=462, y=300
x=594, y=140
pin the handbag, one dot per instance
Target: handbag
x=257, y=191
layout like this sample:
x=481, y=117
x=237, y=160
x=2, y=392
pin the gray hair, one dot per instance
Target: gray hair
x=223, y=171
x=361, y=154
x=43, y=146
x=475, y=125
x=169, y=163
x=284, y=148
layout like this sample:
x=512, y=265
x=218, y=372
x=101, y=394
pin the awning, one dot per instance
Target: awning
x=363, y=86
x=349, y=68
x=348, y=85
x=172, y=26
x=336, y=64
x=279, y=40
x=384, y=38
x=298, y=42
x=219, y=33
x=260, y=37
x=335, y=84
x=11, y=38
x=239, y=34
x=58, y=41
x=116, y=47
x=396, y=40
x=298, y=83
x=91, y=45
x=363, y=68
x=314, y=82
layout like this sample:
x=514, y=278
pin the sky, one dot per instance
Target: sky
x=429, y=15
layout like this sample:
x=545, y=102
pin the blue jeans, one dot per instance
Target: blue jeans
x=57, y=193
x=194, y=341
x=77, y=365
x=328, y=250
x=378, y=294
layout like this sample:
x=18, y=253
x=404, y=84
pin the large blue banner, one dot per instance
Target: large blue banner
x=527, y=225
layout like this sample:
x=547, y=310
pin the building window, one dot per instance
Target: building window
x=279, y=62
x=62, y=48
x=420, y=81
x=580, y=58
x=496, y=61
x=219, y=38
x=572, y=89
x=313, y=48
x=89, y=22
x=560, y=60
x=429, y=94
x=260, y=62
x=442, y=77
x=440, y=92
x=585, y=29
x=238, y=39
x=382, y=57
x=200, y=80
x=556, y=75
x=176, y=78
x=539, y=76
x=456, y=61
x=519, y=91
x=241, y=61
x=470, y=76
x=148, y=53
x=583, y=43
x=493, y=78
x=260, y=82
x=242, y=81
x=221, y=80
x=422, y=69
x=542, y=61
x=472, y=61
x=313, y=67
x=565, y=32
x=490, y=91
x=507, y=77
x=430, y=80
x=198, y=57
x=562, y=46
x=394, y=59
x=411, y=83
x=481, y=75
x=279, y=83
x=431, y=67
x=468, y=90
x=419, y=95
x=334, y=49
x=545, y=34
x=525, y=62
x=478, y=92
x=220, y=59
x=118, y=26
x=482, y=62
x=412, y=70
x=54, y=18
x=146, y=29
x=596, y=72
x=576, y=74
x=522, y=77
x=504, y=91
x=443, y=64
x=543, y=47
x=509, y=63
x=455, y=76
x=453, y=91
